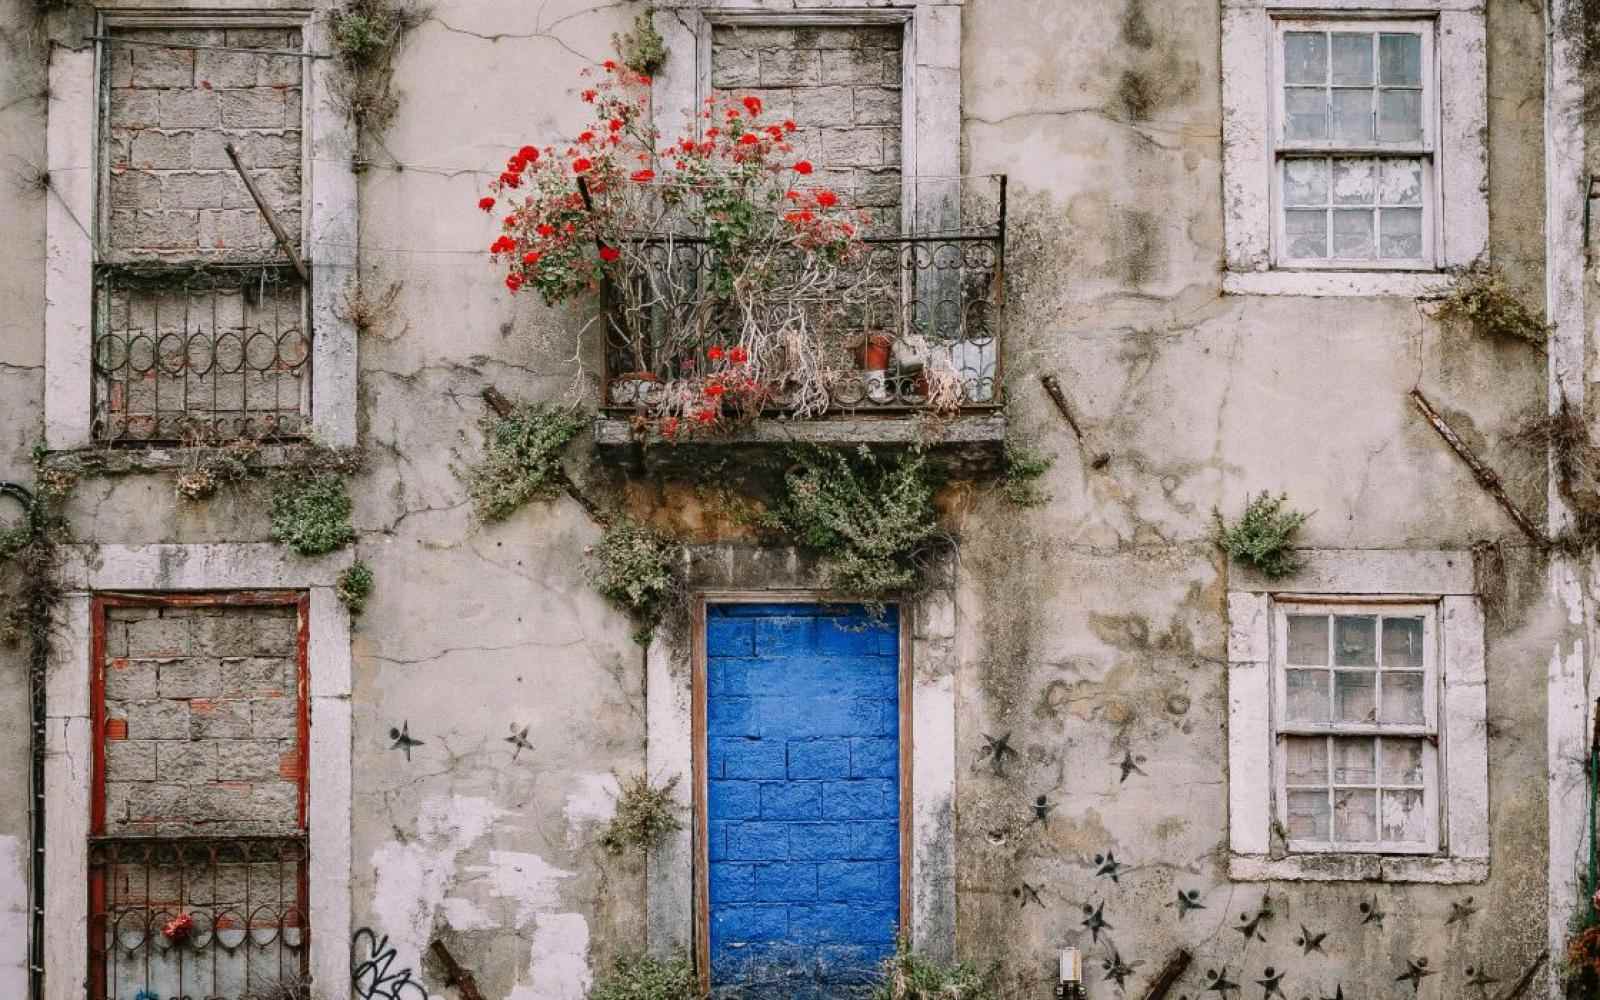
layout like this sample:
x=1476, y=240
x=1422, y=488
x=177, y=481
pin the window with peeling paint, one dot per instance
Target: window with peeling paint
x=1355, y=719
x=1353, y=171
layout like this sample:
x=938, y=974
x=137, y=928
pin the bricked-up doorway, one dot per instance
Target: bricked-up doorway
x=802, y=781
x=197, y=854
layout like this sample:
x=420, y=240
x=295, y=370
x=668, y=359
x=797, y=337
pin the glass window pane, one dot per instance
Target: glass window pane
x=1402, y=643
x=1352, y=234
x=1308, y=640
x=1305, y=113
x=1307, y=758
x=1355, y=640
x=1402, y=182
x=1305, y=57
x=1355, y=815
x=1352, y=59
x=1354, y=180
x=1308, y=815
x=1402, y=233
x=1307, y=695
x=1305, y=182
x=1306, y=233
x=1404, y=818
x=1399, y=115
x=1402, y=761
x=1354, y=696
x=1400, y=60
x=1353, y=760
x=1402, y=698
x=1352, y=115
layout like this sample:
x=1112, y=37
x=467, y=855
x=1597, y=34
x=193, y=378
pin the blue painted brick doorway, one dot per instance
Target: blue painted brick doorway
x=803, y=803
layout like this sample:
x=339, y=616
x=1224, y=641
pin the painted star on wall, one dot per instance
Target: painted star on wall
x=1116, y=970
x=1461, y=911
x=1370, y=914
x=1252, y=926
x=1271, y=982
x=1041, y=810
x=403, y=740
x=1338, y=993
x=1188, y=899
x=1107, y=866
x=1095, y=919
x=1028, y=893
x=1130, y=765
x=1309, y=941
x=1416, y=970
x=1218, y=982
x=997, y=749
x=1480, y=978
x=519, y=740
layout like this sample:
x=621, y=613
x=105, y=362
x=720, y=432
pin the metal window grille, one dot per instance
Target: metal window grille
x=244, y=903
x=204, y=354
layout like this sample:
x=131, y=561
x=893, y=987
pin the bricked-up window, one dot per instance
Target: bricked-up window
x=201, y=325
x=198, y=851
x=842, y=86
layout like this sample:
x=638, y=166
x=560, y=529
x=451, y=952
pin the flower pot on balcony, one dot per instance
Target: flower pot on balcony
x=633, y=388
x=875, y=353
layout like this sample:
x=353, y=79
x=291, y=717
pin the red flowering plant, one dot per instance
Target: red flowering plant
x=717, y=261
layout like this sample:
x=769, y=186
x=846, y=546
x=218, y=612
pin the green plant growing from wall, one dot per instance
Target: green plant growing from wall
x=311, y=513
x=640, y=977
x=1264, y=535
x=635, y=569
x=909, y=976
x=521, y=459
x=1480, y=297
x=872, y=521
x=1019, y=483
x=643, y=50
x=354, y=586
x=208, y=468
x=646, y=812
x=366, y=35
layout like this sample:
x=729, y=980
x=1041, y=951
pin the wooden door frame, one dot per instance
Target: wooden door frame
x=699, y=748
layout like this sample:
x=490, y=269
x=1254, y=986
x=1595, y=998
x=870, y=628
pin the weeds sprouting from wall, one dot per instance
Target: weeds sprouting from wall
x=640, y=977
x=368, y=312
x=1577, y=466
x=210, y=467
x=354, y=587
x=1481, y=298
x=1019, y=484
x=645, y=813
x=1263, y=536
x=521, y=459
x=872, y=521
x=311, y=512
x=636, y=569
x=367, y=34
x=292, y=988
x=909, y=976
x=643, y=50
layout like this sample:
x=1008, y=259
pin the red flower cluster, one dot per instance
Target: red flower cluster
x=178, y=929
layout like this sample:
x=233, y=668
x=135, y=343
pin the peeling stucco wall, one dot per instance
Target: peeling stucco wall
x=1092, y=630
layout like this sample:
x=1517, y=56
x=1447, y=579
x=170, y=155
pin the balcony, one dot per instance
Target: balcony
x=221, y=918
x=909, y=327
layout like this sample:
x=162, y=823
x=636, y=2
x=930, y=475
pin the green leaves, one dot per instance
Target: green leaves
x=521, y=459
x=633, y=567
x=1264, y=535
x=311, y=513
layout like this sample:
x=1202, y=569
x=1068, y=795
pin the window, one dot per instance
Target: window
x=1358, y=741
x=1356, y=726
x=1355, y=151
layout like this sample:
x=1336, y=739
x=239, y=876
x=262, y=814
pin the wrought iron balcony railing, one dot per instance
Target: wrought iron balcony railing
x=200, y=354
x=202, y=918
x=911, y=322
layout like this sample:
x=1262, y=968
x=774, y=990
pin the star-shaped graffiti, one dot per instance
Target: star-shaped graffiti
x=1338, y=993
x=997, y=750
x=403, y=740
x=1218, y=982
x=1095, y=919
x=1107, y=866
x=1309, y=941
x=1130, y=765
x=1188, y=899
x=1416, y=970
x=1253, y=927
x=1271, y=982
x=1041, y=810
x=1480, y=978
x=1028, y=894
x=1370, y=914
x=519, y=740
x=1116, y=970
x=1461, y=911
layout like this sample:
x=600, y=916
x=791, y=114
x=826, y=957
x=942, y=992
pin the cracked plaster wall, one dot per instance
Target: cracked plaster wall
x=1091, y=628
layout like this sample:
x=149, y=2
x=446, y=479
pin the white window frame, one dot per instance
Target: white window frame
x=1284, y=149
x=1251, y=119
x=1259, y=850
x=68, y=786
x=73, y=154
x=1428, y=731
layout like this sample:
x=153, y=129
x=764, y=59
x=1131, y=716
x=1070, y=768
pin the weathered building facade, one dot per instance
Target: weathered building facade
x=1196, y=251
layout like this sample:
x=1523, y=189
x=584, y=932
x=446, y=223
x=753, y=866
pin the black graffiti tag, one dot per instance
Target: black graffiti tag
x=371, y=975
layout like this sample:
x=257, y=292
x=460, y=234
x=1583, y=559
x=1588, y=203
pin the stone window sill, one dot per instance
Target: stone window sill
x=1338, y=284
x=1358, y=868
x=134, y=461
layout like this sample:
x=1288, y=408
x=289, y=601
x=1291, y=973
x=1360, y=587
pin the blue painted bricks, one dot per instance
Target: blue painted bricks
x=803, y=756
